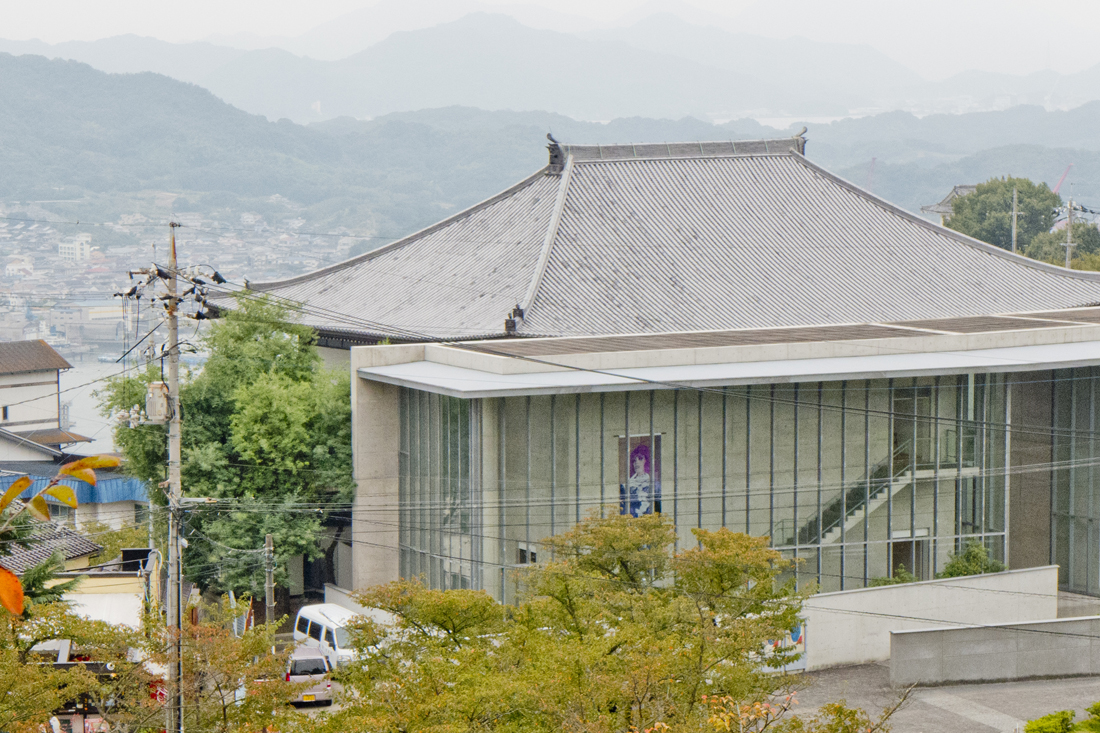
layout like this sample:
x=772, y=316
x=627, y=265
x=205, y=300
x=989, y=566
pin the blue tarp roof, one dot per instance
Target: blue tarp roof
x=106, y=490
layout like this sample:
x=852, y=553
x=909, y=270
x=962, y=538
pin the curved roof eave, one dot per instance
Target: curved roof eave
x=407, y=239
x=944, y=231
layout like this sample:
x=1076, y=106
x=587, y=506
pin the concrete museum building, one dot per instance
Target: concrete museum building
x=727, y=334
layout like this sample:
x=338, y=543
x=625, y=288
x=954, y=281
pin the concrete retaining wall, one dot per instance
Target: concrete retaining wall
x=342, y=597
x=854, y=627
x=1055, y=648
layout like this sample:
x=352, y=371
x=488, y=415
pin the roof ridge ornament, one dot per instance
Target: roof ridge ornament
x=557, y=156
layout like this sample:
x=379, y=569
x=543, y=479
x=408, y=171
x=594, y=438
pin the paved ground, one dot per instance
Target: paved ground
x=978, y=708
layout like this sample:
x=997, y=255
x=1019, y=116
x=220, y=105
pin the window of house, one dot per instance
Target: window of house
x=4, y=412
x=527, y=554
x=60, y=513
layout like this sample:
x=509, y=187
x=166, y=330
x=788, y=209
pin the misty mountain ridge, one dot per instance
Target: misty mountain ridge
x=75, y=132
x=661, y=66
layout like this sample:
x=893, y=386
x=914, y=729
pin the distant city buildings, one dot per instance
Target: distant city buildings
x=76, y=249
x=57, y=284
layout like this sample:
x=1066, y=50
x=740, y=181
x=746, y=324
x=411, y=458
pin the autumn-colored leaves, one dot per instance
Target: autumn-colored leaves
x=11, y=589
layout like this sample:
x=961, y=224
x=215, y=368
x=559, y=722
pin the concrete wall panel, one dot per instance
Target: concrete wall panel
x=854, y=627
x=1052, y=648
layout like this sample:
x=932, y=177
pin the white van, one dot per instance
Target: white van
x=324, y=625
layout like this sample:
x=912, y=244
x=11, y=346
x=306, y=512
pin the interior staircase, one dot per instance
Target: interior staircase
x=874, y=489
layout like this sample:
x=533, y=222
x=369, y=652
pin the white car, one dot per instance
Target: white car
x=324, y=626
x=310, y=665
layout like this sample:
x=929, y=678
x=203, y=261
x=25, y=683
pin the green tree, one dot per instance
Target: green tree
x=265, y=430
x=39, y=581
x=616, y=633
x=973, y=560
x=986, y=214
x=1059, y=722
x=1051, y=246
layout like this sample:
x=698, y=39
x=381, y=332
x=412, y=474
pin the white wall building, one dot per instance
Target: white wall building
x=30, y=419
x=77, y=249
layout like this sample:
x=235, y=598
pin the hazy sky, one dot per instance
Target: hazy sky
x=933, y=37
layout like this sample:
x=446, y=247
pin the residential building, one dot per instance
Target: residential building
x=730, y=335
x=30, y=407
x=116, y=500
x=19, y=267
x=48, y=538
x=90, y=321
x=76, y=249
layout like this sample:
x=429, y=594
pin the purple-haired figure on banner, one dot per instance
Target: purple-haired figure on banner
x=640, y=488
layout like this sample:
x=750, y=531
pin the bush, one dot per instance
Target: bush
x=1059, y=722
x=1092, y=725
x=973, y=560
x=901, y=575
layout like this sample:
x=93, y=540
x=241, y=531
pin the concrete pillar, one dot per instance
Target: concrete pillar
x=376, y=443
x=492, y=495
x=1029, y=494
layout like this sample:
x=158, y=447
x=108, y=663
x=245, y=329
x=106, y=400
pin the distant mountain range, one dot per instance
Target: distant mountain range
x=71, y=131
x=661, y=66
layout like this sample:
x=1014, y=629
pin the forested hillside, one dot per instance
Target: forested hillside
x=73, y=133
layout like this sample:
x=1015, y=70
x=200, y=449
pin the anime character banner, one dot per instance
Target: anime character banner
x=640, y=475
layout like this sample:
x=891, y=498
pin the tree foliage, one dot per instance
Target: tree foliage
x=265, y=429
x=231, y=683
x=31, y=689
x=973, y=560
x=1051, y=246
x=615, y=633
x=986, y=214
x=901, y=575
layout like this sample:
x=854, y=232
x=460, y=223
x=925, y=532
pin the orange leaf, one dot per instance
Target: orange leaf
x=95, y=462
x=84, y=474
x=39, y=508
x=13, y=491
x=63, y=493
x=11, y=591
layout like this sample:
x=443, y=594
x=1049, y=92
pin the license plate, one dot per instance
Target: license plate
x=309, y=698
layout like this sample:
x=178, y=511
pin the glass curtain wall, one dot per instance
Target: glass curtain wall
x=854, y=479
x=1075, y=530
x=439, y=530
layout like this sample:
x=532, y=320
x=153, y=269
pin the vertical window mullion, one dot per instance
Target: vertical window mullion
x=820, y=475
x=935, y=474
x=577, y=457
x=725, y=406
x=771, y=465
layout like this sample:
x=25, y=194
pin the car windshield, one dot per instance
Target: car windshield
x=307, y=666
x=342, y=638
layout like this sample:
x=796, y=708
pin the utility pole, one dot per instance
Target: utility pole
x=269, y=581
x=175, y=493
x=1013, y=220
x=1069, y=230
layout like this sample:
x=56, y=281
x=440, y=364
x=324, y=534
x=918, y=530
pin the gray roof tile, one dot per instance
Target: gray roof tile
x=47, y=538
x=18, y=357
x=677, y=237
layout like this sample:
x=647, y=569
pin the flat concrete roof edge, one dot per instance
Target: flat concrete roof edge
x=943, y=581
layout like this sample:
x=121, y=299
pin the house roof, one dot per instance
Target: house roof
x=18, y=357
x=54, y=437
x=34, y=446
x=668, y=238
x=109, y=486
x=49, y=537
x=946, y=207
